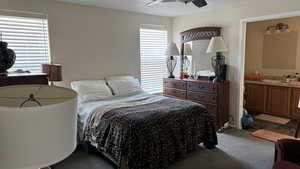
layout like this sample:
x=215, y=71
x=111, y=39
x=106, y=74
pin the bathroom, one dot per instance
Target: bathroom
x=272, y=79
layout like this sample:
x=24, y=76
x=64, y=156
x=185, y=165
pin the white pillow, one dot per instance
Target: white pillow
x=124, y=85
x=125, y=77
x=91, y=90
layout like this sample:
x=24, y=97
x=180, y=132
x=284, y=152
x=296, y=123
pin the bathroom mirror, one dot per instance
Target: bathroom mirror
x=280, y=50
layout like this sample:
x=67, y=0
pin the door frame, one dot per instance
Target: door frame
x=242, y=52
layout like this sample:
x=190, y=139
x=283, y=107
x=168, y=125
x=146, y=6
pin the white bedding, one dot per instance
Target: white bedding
x=85, y=109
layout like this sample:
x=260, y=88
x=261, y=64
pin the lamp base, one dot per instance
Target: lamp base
x=171, y=75
x=219, y=66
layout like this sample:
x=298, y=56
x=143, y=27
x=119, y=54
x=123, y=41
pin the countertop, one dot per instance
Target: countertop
x=272, y=83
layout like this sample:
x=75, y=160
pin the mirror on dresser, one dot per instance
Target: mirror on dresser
x=198, y=39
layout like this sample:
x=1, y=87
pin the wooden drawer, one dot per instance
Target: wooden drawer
x=175, y=93
x=202, y=97
x=204, y=86
x=28, y=80
x=177, y=84
x=212, y=108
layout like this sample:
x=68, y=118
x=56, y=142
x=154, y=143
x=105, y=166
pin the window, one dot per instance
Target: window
x=28, y=37
x=153, y=43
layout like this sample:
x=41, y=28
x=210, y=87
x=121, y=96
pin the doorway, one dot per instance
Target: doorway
x=243, y=36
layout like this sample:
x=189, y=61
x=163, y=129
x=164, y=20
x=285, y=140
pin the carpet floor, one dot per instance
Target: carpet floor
x=237, y=149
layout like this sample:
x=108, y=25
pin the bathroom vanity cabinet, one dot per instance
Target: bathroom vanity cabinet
x=275, y=99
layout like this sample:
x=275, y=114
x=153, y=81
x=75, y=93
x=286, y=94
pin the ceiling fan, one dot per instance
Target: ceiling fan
x=198, y=3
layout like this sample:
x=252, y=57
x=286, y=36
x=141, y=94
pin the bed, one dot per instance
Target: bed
x=138, y=130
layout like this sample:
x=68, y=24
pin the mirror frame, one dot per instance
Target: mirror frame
x=200, y=33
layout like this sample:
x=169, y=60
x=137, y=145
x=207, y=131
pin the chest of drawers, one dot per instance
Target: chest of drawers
x=23, y=79
x=214, y=96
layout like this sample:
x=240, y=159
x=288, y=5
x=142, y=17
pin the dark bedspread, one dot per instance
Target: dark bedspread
x=154, y=135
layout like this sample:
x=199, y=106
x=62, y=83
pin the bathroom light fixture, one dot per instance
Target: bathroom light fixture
x=278, y=28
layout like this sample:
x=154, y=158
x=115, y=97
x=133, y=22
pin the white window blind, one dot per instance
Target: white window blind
x=153, y=43
x=28, y=37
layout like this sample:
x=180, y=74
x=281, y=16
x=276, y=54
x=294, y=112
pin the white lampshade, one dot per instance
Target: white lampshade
x=172, y=50
x=217, y=44
x=187, y=49
x=36, y=136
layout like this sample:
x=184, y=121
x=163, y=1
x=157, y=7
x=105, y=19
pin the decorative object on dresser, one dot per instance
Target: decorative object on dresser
x=196, y=34
x=54, y=72
x=7, y=79
x=217, y=45
x=35, y=136
x=215, y=96
x=7, y=56
x=171, y=51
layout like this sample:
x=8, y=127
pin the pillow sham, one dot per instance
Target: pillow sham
x=123, y=85
x=91, y=90
x=124, y=77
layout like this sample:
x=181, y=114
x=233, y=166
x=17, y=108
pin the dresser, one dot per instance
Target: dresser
x=214, y=96
x=23, y=79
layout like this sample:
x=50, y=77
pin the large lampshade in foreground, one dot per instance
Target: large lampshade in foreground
x=42, y=132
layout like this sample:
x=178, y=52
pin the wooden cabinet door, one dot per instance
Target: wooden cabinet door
x=3, y=80
x=278, y=100
x=255, y=97
x=295, y=111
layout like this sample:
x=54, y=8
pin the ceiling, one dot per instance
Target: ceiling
x=162, y=9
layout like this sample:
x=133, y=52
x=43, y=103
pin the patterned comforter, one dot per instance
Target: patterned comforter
x=153, y=135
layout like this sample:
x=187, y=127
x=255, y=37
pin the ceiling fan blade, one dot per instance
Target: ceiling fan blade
x=154, y=2
x=200, y=3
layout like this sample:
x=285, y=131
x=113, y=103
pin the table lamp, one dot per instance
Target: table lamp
x=217, y=45
x=54, y=72
x=37, y=125
x=171, y=51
